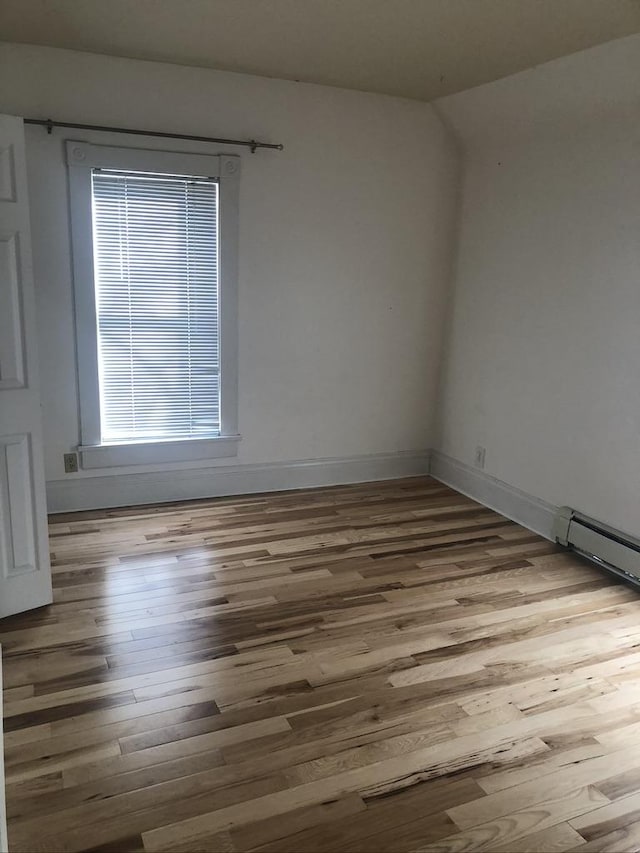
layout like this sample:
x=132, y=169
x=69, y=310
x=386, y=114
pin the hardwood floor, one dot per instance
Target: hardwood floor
x=382, y=667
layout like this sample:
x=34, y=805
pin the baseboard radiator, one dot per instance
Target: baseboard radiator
x=615, y=551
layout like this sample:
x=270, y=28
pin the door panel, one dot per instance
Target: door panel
x=25, y=573
x=11, y=320
x=16, y=506
x=7, y=169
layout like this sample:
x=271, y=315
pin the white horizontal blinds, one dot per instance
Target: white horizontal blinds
x=157, y=300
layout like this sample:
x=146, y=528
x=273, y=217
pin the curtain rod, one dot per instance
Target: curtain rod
x=247, y=143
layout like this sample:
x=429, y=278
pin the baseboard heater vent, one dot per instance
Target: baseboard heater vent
x=615, y=551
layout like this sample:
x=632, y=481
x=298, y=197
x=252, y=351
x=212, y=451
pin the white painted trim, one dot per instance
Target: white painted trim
x=158, y=486
x=82, y=158
x=527, y=510
x=87, y=155
x=4, y=843
x=143, y=453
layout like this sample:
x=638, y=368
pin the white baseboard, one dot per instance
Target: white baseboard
x=160, y=486
x=156, y=487
x=529, y=511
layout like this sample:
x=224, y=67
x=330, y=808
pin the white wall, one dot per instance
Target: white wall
x=542, y=364
x=345, y=244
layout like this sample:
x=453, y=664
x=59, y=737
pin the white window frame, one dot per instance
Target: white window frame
x=82, y=158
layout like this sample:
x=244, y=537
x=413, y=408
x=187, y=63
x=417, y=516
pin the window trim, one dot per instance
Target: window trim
x=82, y=158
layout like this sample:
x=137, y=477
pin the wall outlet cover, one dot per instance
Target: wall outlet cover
x=70, y=463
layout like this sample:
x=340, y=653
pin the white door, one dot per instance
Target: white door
x=25, y=573
x=4, y=844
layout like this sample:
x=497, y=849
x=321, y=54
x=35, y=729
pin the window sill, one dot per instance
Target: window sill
x=149, y=452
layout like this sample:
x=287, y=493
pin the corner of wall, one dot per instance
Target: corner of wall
x=525, y=509
x=452, y=249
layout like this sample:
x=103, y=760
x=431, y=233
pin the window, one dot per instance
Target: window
x=154, y=245
x=156, y=278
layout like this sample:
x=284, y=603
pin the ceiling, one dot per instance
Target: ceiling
x=413, y=48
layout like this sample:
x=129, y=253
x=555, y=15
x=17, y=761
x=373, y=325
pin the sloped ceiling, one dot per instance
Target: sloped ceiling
x=420, y=49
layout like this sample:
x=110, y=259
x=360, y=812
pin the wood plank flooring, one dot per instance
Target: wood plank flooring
x=380, y=667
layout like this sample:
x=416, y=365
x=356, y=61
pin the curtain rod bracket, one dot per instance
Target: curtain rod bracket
x=49, y=126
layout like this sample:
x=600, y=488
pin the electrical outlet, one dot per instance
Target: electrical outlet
x=479, y=457
x=70, y=463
